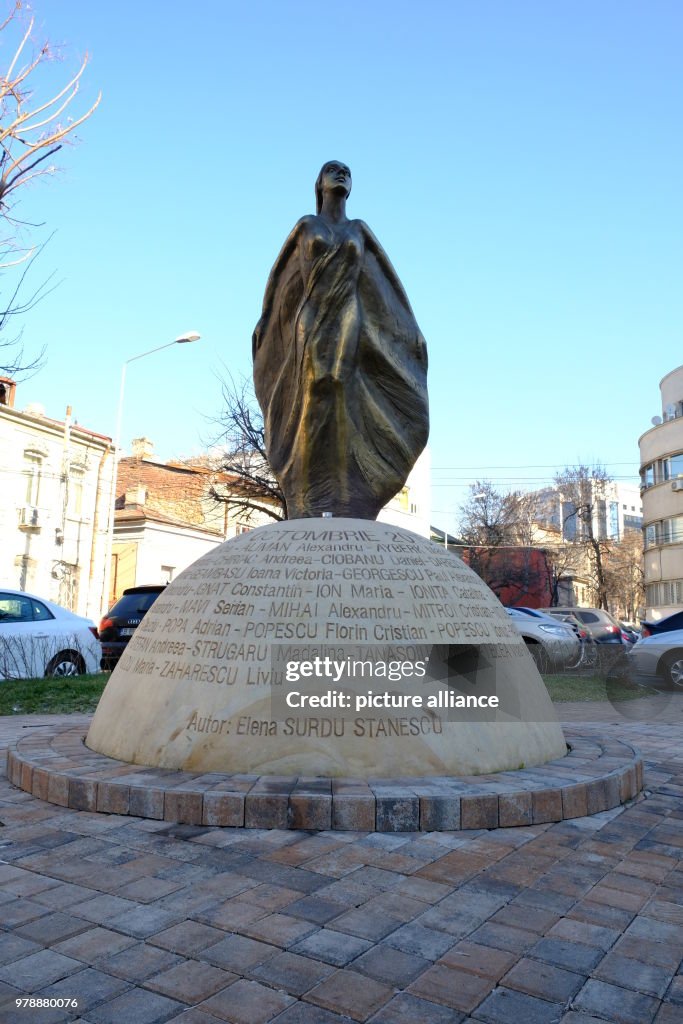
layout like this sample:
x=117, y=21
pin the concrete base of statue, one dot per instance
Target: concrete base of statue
x=245, y=662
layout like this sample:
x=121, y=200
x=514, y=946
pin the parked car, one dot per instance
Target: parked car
x=658, y=659
x=39, y=638
x=629, y=633
x=674, y=621
x=602, y=626
x=551, y=644
x=118, y=625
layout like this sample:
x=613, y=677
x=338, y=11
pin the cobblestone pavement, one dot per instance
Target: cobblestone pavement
x=141, y=921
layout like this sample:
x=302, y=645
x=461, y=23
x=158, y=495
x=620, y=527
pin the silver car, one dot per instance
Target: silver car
x=658, y=659
x=552, y=644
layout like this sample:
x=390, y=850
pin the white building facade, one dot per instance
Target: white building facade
x=55, y=490
x=661, y=476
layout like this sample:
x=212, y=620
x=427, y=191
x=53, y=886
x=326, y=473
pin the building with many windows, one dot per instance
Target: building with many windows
x=661, y=476
x=54, y=505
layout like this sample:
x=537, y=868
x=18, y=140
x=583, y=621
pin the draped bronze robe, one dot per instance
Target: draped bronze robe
x=340, y=372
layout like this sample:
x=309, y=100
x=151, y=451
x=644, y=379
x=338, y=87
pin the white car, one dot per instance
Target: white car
x=39, y=638
x=658, y=659
x=552, y=644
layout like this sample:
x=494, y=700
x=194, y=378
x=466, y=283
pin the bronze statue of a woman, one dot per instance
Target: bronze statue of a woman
x=340, y=365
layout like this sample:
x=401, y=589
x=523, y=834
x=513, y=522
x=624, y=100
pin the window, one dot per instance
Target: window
x=33, y=464
x=76, y=484
x=666, y=531
x=14, y=608
x=167, y=573
x=40, y=612
x=19, y=608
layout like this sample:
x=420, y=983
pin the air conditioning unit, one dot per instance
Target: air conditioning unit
x=29, y=517
x=677, y=485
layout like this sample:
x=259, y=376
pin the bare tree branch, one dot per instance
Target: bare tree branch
x=250, y=488
x=30, y=135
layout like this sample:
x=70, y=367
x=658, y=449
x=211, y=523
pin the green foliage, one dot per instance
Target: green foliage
x=67, y=695
x=570, y=687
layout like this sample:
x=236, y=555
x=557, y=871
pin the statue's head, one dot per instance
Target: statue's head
x=334, y=175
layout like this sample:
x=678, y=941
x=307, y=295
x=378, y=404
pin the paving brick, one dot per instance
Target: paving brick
x=187, y=937
x=266, y=810
x=183, y=806
x=353, y=812
x=484, y=960
x=315, y=909
x=415, y=938
x=572, y=955
x=146, y=802
x=309, y=810
x=581, y=931
x=52, y=928
x=500, y=936
x=135, y=1007
x=631, y=973
x=25, y=780
x=138, y=962
x=515, y=809
x=504, y=1006
x=406, y=1008
x=374, y=926
x=479, y=812
x=40, y=783
x=392, y=966
x=292, y=973
x=456, y=988
x=247, y=1002
x=660, y=954
x=543, y=980
x=37, y=970
x=439, y=813
x=574, y=801
x=13, y=947
x=546, y=805
x=238, y=953
x=616, y=1003
x=306, y=1013
x=332, y=947
x=82, y=794
x=397, y=814
x=190, y=981
x=94, y=944
x=58, y=790
x=350, y=993
x=278, y=929
x=223, y=809
x=113, y=798
x=90, y=987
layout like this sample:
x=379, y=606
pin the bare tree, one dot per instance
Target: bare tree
x=32, y=131
x=582, y=492
x=624, y=573
x=500, y=532
x=251, y=488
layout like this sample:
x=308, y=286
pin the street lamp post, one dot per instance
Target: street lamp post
x=182, y=340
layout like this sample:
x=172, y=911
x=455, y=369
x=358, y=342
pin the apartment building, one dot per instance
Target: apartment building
x=55, y=489
x=661, y=477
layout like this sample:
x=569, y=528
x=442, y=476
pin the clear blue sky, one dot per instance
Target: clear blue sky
x=520, y=162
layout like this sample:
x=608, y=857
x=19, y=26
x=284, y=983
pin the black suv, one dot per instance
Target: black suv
x=122, y=619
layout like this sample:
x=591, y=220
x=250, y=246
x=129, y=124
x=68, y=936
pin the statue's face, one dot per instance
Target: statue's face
x=335, y=177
